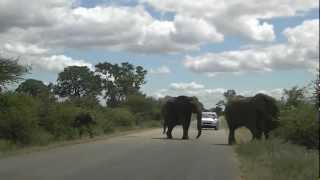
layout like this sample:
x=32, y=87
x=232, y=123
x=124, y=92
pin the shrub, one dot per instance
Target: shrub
x=144, y=108
x=59, y=120
x=18, y=118
x=120, y=117
x=300, y=125
x=102, y=118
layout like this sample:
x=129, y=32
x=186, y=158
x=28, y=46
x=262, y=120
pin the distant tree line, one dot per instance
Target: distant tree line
x=39, y=113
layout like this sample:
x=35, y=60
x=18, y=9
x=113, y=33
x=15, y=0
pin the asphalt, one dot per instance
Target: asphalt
x=145, y=155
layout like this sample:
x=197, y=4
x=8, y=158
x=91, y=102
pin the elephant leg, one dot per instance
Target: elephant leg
x=89, y=129
x=256, y=133
x=185, y=132
x=169, y=135
x=231, y=139
x=266, y=134
x=80, y=131
x=186, y=129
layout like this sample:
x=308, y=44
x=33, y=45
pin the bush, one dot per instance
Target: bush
x=144, y=108
x=59, y=120
x=18, y=118
x=121, y=117
x=104, y=123
x=300, y=125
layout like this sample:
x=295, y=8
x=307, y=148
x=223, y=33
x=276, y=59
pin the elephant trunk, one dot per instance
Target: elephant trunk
x=199, y=117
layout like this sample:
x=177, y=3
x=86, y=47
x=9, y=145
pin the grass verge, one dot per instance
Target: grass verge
x=273, y=159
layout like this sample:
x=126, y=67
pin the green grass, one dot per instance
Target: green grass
x=275, y=160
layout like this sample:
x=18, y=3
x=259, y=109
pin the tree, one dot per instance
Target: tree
x=293, y=96
x=119, y=81
x=33, y=87
x=10, y=71
x=76, y=82
x=229, y=94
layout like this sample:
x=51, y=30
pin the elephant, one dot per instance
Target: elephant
x=258, y=113
x=84, y=120
x=178, y=111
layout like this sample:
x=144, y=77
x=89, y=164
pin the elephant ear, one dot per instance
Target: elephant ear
x=266, y=104
x=199, y=106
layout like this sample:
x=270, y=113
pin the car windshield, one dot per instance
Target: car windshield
x=208, y=116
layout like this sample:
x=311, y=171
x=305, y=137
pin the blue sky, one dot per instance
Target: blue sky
x=257, y=47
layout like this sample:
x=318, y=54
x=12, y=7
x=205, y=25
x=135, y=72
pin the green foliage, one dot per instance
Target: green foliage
x=86, y=102
x=120, y=80
x=121, y=117
x=294, y=96
x=77, y=81
x=10, y=71
x=18, y=118
x=144, y=108
x=300, y=125
x=32, y=115
x=229, y=94
x=59, y=120
x=33, y=87
x=273, y=159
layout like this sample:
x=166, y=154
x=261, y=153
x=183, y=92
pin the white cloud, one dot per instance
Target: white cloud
x=54, y=26
x=237, y=17
x=300, y=52
x=186, y=86
x=210, y=96
x=58, y=24
x=57, y=63
x=162, y=70
x=40, y=58
x=19, y=48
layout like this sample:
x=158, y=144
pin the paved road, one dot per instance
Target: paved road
x=138, y=156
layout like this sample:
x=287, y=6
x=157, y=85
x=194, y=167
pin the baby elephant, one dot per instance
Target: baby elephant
x=84, y=121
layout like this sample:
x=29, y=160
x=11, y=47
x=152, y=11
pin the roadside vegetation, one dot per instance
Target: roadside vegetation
x=37, y=114
x=292, y=152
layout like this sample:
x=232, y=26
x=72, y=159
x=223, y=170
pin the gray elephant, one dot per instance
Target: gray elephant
x=83, y=121
x=178, y=111
x=258, y=113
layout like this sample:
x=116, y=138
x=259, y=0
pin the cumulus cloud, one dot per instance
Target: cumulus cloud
x=209, y=96
x=186, y=86
x=162, y=70
x=57, y=63
x=19, y=48
x=245, y=18
x=61, y=24
x=301, y=51
x=40, y=58
x=53, y=26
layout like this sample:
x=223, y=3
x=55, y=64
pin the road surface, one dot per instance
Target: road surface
x=144, y=155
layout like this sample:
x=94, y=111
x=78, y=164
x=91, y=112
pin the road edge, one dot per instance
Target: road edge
x=58, y=144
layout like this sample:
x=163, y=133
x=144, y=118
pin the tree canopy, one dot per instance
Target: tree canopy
x=120, y=80
x=293, y=96
x=34, y=88
x=10, y=71
x=77, y=81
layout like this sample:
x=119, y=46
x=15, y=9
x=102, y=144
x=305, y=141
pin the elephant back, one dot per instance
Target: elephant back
x=266, y=104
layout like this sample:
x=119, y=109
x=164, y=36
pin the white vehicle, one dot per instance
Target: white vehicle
x=210, y=120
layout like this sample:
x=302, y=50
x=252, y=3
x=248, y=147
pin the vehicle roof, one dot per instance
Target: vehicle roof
x=209, y=113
